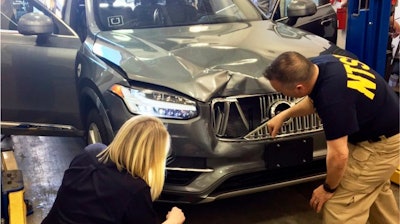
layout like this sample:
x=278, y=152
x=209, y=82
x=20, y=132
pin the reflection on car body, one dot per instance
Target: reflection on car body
x=200, y=72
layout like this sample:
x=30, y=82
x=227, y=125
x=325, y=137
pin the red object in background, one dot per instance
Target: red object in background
x=333, y=1
x=341, y=14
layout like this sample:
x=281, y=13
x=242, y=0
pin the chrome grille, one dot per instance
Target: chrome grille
x=245, y=117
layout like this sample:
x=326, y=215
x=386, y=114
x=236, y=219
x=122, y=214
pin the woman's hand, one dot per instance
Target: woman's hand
x=175, y=216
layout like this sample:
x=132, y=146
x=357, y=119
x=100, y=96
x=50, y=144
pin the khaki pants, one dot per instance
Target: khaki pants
x=364, y=193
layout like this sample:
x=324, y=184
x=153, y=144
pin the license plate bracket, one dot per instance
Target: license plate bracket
x=288, y=153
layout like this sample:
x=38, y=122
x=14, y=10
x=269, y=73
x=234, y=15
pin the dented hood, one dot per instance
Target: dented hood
x=205, y=61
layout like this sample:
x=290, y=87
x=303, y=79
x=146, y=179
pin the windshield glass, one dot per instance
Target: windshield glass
x=132, y=14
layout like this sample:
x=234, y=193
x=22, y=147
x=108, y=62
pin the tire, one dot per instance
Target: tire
x=95, y=129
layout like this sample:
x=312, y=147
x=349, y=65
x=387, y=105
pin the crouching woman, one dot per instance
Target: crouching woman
x=117, y=183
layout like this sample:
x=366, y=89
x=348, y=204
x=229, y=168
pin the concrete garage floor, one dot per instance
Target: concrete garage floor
x=44, y=159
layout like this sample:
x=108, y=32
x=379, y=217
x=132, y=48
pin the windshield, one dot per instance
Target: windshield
x=132, y=14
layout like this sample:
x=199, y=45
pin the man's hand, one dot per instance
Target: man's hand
x=302, y=108
x=319, y=197
x=275, y=124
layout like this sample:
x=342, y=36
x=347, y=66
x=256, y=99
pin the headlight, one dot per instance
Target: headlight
x=156, y=103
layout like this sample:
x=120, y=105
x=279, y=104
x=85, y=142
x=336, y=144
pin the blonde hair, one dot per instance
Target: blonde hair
x=141, y=147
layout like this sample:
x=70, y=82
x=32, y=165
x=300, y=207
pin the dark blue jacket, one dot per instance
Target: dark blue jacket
x=92, y=192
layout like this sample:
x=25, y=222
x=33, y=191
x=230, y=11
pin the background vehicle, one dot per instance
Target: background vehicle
x=83, y=68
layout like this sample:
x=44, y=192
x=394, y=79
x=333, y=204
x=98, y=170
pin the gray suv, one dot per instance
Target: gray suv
x=82, y=68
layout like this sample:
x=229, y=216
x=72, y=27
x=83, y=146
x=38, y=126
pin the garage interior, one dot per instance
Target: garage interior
x=42, y=161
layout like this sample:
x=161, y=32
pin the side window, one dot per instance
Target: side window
x=54, y=6
x=73, y=14
x=322, y=2
x=282, y=7
x=11, y=11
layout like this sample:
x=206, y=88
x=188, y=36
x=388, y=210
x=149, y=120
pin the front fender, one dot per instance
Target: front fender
x=89, y=100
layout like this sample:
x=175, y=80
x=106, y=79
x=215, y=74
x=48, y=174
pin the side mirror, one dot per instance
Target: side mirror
x=301, y=8
x=34, y=23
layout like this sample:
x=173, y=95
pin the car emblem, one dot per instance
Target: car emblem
x=279, y=106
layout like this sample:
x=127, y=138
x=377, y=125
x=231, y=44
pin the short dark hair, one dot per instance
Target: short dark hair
x=289, y=67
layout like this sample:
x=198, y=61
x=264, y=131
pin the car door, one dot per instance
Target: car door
x=323, y=23
x=38, y=87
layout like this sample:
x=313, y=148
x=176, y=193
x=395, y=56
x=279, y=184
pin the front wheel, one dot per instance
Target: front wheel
x=95, y=129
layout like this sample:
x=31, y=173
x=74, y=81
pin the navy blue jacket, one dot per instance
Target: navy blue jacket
x=92, y=192
x=352, y=99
